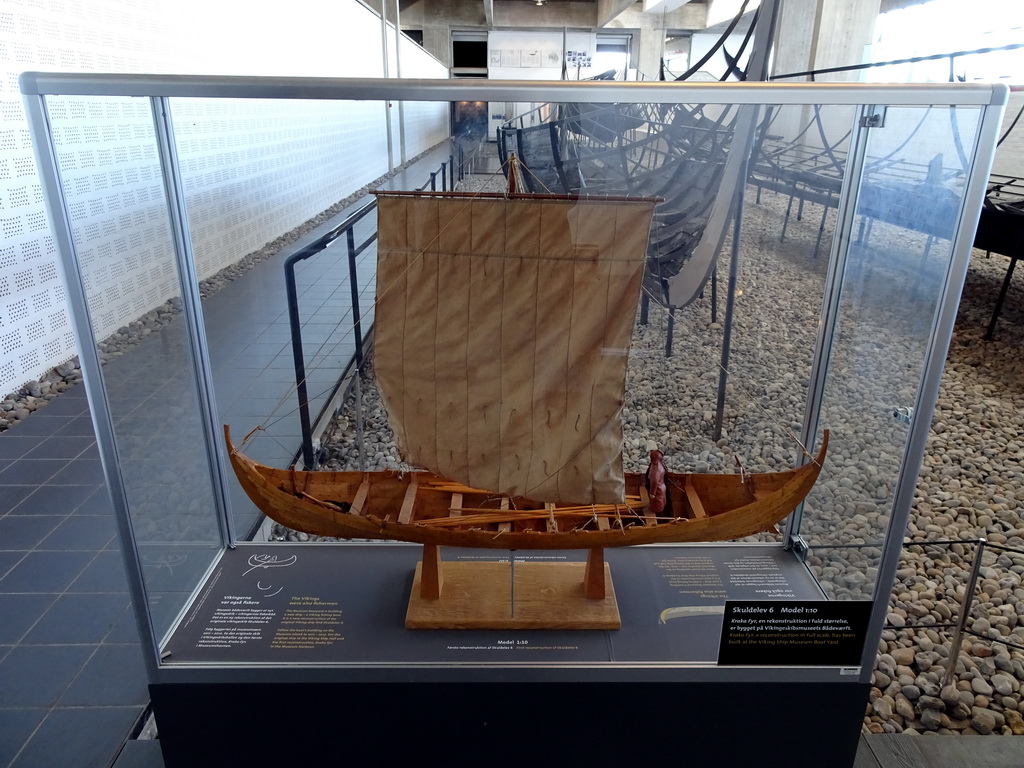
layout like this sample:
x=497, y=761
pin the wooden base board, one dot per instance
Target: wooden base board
x=477, y=595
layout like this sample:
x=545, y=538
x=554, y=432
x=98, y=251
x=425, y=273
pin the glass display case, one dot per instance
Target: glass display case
x=797, y=276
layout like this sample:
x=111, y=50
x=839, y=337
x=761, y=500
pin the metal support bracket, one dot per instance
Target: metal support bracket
x=904, y=414
x=798, y=547
x=875, y=120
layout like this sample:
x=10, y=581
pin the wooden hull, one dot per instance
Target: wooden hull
x=422, y=508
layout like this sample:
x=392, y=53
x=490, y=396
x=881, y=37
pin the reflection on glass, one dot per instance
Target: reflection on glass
x=908, y=206
x=927, y=602
x=110, y=170
x=685, y=154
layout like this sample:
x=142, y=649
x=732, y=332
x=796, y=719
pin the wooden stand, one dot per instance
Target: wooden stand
x=481, y=595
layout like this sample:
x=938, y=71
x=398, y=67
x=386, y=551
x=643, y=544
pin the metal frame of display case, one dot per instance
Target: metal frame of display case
x=187, y=696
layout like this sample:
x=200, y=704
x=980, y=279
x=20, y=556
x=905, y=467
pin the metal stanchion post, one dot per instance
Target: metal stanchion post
x=965, y=607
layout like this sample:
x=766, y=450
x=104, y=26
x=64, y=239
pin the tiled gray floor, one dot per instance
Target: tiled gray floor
x=45, y=572
x=19, y=532
x=16, y=445
x=72, y=680
x=109, y=679
x=66, y=447
x=81, y=532
x=86, y=736
x=78, y=618
x=8, y=560
x=140, y=754
x=21, y=612
x=16, y=727
x=47, y=498
x=104, y=573
x=36, y=675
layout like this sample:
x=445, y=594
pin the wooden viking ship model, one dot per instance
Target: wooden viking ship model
x=502, y=331
x=424, y=508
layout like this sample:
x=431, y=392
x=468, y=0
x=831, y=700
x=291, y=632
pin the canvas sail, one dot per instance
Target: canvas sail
x=501, y=335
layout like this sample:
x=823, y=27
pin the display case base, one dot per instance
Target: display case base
x=509, y=723
x=502, y=595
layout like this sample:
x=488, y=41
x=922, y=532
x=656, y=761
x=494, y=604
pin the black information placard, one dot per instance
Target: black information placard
x=794, y=632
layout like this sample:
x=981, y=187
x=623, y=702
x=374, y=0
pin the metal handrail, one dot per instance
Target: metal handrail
x=298, y=356
x=447, y=171
x=606, y=91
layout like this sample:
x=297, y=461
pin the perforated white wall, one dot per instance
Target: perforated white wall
x=426, y=123
x=109, y=165
x=253, y=170
x=253, y=167
x=35, y=333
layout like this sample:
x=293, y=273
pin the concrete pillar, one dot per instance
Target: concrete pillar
x=645, y=53
x=815, y=34
x=844, y=30
x=819, y=34
x=796, y=37
x=649, y=32
x=795, y=44
x=437, y=42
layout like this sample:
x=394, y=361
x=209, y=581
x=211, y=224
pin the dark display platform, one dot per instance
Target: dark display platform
x=317, y=604
x=307, y=644
x=510, y=724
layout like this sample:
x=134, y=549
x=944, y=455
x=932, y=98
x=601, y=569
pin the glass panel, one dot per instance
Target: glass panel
x=927, y=599
x=254, y=183
x=111, y=173
x=909, y=203
x=993, y=613
x=789, y=211
x=261, y=175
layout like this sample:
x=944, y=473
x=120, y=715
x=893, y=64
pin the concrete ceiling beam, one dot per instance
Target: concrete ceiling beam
x=609, y=9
